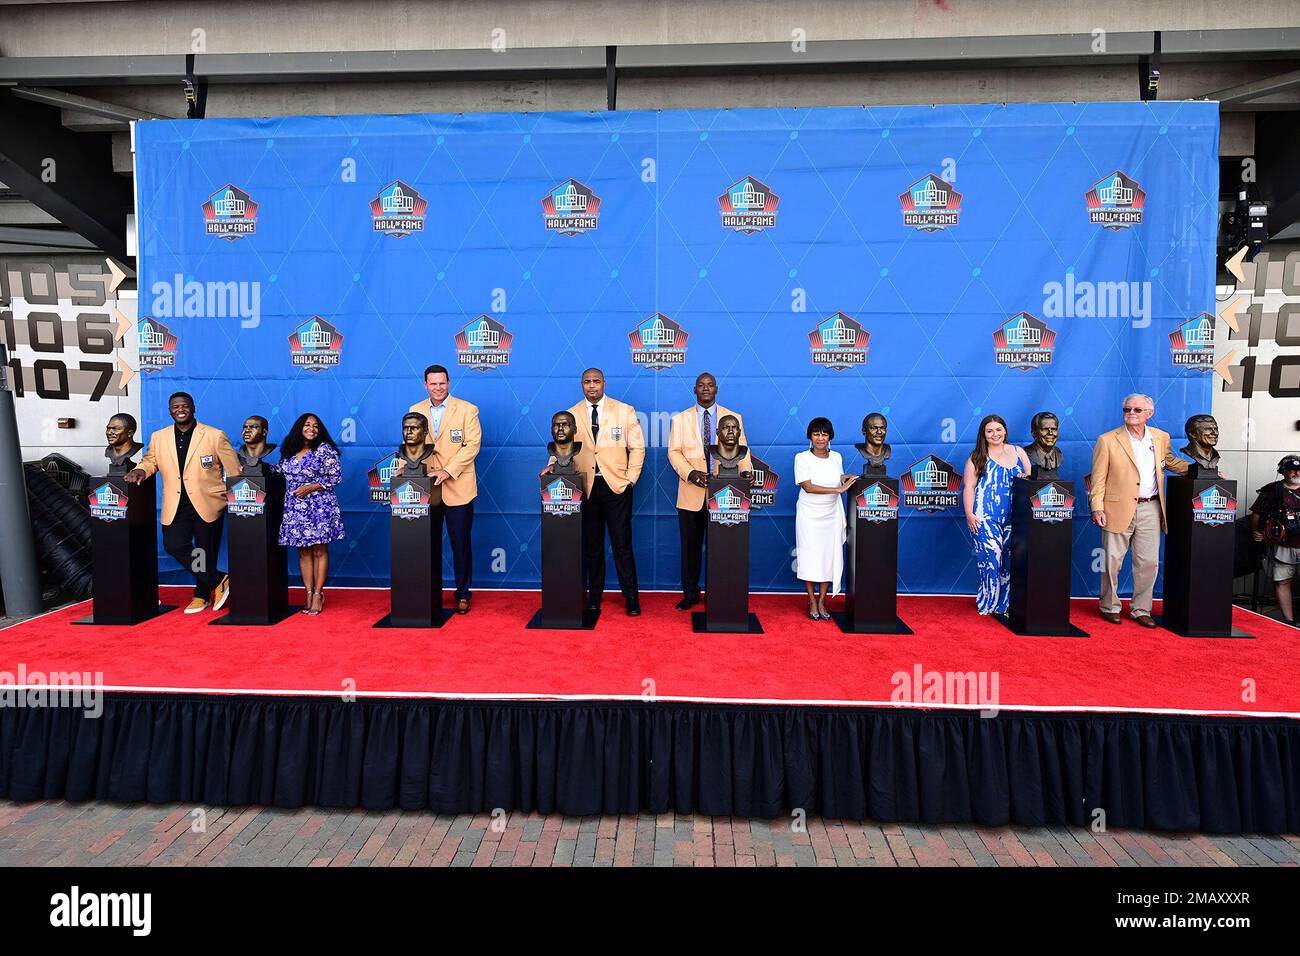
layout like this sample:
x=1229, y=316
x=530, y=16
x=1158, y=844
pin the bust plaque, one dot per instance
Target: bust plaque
x=1045, y=457
x=1202, y=435
x=873, y=449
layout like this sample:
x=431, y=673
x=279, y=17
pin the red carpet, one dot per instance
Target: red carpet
x=490, y=653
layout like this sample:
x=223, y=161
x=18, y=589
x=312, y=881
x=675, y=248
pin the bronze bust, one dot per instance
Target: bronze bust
x=1045, y=457
x=255, y=446
x=1202, y=435
x=563, y=427
x=122, y=446
x=728, y=453
x=874, y=451
x=415, y=449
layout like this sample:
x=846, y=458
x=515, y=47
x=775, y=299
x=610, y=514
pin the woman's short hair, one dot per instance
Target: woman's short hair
x=821, y=424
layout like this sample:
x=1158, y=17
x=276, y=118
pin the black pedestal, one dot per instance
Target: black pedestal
x=259, y=570
x=1201, y=513
x=564, y=599
x=871, y=592
x=727, y=565
x=415, y=553
x=1042, y=513
x=124, y=552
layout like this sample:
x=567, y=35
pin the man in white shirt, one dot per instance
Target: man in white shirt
x=1127, y=498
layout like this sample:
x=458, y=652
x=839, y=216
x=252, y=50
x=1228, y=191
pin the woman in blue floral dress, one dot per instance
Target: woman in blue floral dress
x=987, y=498
x=309, y=461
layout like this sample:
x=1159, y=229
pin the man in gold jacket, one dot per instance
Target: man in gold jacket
x=1127, y=498
x=692, y=431
x=456, y=437
x=611, y=431
x=194, y=460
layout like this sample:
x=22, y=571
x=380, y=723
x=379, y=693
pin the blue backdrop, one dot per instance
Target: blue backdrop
x=366, y=244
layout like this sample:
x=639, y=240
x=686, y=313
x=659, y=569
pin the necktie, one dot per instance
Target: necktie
x=595, y=423
x=708, y=440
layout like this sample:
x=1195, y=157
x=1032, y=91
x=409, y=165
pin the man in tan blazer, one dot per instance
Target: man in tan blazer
x=456, y=437
x=194, y=460
x=1127, y=498
x=692, y=430
x=611, y=429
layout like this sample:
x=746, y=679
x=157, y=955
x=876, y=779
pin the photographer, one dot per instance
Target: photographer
x=1275, y=519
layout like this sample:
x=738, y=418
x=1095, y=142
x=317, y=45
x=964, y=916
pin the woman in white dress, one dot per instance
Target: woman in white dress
x=819, y=528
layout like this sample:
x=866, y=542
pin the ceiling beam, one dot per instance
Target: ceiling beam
x=1246, y=92
x=69, y=175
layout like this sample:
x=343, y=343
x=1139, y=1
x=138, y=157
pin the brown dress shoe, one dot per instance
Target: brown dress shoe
x=1110, y=617
x=462, y=607
x=1145, y=621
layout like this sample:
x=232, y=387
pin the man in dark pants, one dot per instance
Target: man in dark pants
x=194, y=459
x=692, y=432
x=610, y=429
x=456, y=437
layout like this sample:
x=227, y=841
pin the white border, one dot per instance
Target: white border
x=760, y=701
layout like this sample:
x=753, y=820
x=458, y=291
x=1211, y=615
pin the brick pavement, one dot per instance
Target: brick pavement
x=108, y=834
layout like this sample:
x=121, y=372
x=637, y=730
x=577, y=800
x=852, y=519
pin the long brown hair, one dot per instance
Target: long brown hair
x=980, y=456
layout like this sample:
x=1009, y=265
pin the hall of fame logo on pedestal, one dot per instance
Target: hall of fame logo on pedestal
x=1116, y=202
x=398, y=210
x=561, y=497
x=483, y=344
x=1191, y=345
x=1023, y=342
x=408, y=501
x=1214, y=506
x=930, y=204
x=316, y=345
x=839, y=342
x=762, y=484
x=107, y=502
x=571, y=209
x=748, y=206
x=230, y=213
x=245, y=499
x=380, y=477
x=876, y=503
x=157, y=345
x=730, y=504
x=1051, y=503
x=658, y=343
x=931, y=485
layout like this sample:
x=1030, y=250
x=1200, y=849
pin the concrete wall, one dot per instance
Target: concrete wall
x=252, y=26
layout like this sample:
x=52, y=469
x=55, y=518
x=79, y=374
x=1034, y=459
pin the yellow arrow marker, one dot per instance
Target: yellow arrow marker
x=1228, y=313
x=1234, y=264
x=128, y=373
x=124, y=325
x=1221, y=367
x=118, y=274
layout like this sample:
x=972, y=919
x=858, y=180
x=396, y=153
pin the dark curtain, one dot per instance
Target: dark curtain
x=1170, y=773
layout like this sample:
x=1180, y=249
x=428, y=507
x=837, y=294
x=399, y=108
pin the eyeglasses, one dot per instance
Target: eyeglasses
x=1132, y=411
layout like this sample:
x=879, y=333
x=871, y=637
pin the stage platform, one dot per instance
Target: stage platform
x=961, y=721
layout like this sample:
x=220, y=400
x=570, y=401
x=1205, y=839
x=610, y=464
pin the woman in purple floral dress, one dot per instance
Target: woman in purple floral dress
x=309, y=461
